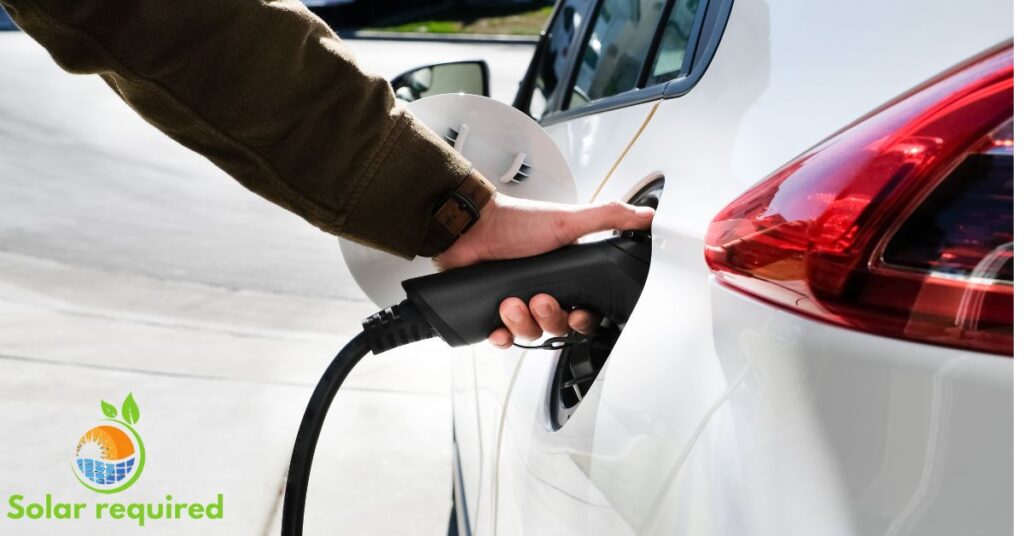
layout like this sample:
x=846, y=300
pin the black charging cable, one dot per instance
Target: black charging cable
x=393, y=327
x=388, y=329
x=309, y=431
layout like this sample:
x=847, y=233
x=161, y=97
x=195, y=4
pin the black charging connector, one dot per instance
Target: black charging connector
x=461, y=307
x=606, y=277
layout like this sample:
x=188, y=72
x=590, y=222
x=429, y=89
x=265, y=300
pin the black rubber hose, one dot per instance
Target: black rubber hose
x=309, y=431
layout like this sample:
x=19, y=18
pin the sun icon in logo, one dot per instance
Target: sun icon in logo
x=110, y=456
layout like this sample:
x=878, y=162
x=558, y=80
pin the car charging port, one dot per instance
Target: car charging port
x=578, y=366
x=580, y=363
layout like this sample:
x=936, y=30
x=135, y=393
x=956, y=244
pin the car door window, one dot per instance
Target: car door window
x=614, y=52
x=675, y=41
x=557, y=57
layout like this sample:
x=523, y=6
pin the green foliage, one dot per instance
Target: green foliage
x=476, y=21
x=108, y=409
x=130, y=410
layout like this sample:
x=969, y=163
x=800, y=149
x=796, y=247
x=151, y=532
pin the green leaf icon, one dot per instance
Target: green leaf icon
x=130, y=410
x=108, y=409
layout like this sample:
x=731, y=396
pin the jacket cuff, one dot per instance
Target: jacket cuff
x=457, y=214
x=414, y=173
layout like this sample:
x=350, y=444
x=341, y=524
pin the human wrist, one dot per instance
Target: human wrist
x=457, y=212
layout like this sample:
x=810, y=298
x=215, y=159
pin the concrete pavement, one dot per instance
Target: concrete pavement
x=128, y=264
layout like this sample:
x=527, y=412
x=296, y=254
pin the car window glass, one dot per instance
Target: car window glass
x=556, y=59
x=614, y=52
x=675, y=39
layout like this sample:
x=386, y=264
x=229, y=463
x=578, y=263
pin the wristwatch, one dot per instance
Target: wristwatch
x=455, y=213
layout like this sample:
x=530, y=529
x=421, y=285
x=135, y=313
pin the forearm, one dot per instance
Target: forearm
x=270, y=95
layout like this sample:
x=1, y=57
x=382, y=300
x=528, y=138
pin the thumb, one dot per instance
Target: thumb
x=612, y=216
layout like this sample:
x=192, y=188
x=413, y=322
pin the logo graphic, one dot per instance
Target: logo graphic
x=110, y=456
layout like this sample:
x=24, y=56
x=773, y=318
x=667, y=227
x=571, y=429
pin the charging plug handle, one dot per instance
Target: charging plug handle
x=606, y=277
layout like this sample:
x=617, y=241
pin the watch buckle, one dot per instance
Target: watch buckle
x=456, y=214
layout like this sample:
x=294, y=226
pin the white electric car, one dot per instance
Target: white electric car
x=824, y=342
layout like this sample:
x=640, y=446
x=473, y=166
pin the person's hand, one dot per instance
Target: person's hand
x=510, y=228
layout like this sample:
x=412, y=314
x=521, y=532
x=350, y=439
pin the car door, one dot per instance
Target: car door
x=626, y=54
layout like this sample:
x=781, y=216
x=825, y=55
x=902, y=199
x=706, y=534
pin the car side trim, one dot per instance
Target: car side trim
x=715, y=20
x=713, y=17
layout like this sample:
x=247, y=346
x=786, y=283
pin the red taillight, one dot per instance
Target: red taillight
x=900, y=225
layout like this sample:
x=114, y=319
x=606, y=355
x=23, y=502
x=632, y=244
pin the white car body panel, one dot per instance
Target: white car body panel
x=720, y=414
x=594, y=143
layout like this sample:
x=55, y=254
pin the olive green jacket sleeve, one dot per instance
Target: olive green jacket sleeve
x=268, y=93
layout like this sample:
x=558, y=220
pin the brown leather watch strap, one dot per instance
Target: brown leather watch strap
x=456, y=213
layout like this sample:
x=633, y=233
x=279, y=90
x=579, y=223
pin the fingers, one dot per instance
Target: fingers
x=501, y=337
x=518, y=320
x=583, y=321
x=543, y=315
x=614, y=215
x=549, y=315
